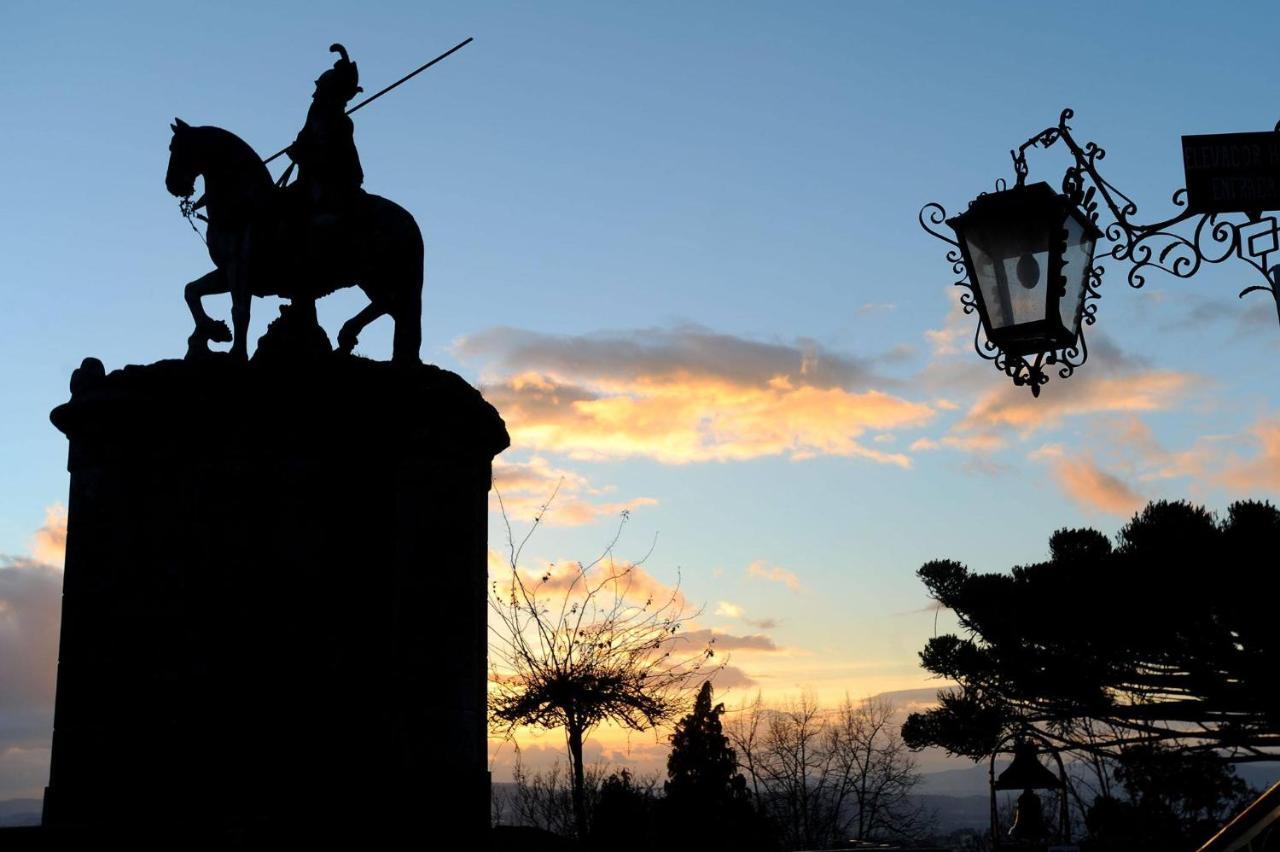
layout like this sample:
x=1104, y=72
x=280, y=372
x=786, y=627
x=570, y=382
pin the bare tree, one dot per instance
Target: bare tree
x=879, y=768
x=785, y=755
x=826, y=776
x=744, y=731
x=544, y=798
x=575, y=647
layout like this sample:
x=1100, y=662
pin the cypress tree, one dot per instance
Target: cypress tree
x=702, y=768
x=706, y=796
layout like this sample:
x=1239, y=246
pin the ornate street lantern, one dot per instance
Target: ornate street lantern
x=1028, y=252
x=1026, y=255
x=1028, y=774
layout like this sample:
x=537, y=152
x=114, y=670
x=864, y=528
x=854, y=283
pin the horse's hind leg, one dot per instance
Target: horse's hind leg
x=406, y=303
x=207, y=328
x=349, y=334
x=405, y=309
x=407, y=314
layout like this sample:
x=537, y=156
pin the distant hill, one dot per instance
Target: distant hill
x=968, y=780
x=958, y=797
x=972, y=780
x=954, y=813
x=14, y=812
x=1259, y=776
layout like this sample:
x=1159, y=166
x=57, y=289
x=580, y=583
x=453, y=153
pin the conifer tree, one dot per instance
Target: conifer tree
x=706, y=796
x=702, y=768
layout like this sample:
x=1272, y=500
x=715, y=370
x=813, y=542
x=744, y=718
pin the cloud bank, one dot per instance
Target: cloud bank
x=686, y=395
x=30, y=616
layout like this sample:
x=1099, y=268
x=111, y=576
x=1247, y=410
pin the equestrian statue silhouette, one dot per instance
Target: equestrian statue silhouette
x=304, y=240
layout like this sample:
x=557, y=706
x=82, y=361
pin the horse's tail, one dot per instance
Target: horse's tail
x=402, y=276
x=408, y=331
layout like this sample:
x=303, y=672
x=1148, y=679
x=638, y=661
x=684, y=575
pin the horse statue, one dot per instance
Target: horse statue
x=254, y=241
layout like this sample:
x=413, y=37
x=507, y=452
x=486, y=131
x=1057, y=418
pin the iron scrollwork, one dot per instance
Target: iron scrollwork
x=1032, y=372
x=1213, y=238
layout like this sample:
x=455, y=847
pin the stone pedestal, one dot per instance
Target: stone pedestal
x=275, y=602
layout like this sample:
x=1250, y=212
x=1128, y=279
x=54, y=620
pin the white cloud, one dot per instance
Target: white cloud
x=729, y=610
x=774, y=574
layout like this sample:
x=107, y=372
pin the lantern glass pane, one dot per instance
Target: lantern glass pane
x=1076, y=260
x=1011, y=263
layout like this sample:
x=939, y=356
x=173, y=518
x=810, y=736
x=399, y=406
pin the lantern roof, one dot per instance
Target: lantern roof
x=1024, y=200
x=1026, y=772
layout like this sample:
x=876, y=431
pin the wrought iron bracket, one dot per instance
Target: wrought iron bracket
x=1210, y=238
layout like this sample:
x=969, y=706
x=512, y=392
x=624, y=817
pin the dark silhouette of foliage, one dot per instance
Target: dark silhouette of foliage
x=702, y=767
x=624, y=818
x=1164, y=638
x=707, y=801
x=1175, y=801
x=578, y=652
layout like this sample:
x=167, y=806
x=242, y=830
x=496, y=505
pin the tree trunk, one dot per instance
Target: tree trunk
x=579, y=781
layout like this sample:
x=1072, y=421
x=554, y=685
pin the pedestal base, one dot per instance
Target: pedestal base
x=274, y=601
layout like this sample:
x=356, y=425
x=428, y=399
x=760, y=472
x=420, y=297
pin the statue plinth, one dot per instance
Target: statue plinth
x=274, y=606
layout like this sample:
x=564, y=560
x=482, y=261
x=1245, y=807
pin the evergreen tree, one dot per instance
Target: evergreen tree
x=1166, y=636
x=706, y=796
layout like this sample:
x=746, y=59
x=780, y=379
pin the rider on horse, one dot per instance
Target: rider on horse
x=329, y=173
x=318, y=235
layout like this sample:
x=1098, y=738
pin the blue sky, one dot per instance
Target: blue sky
x=675, y=179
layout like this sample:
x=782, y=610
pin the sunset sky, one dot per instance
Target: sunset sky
x=676, y=246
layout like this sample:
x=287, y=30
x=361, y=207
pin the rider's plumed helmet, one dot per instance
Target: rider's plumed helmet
x=341, y=81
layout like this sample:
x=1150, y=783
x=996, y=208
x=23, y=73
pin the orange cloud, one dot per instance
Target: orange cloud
x=729, y=677
x=49, y=544
x=1262, y=472
x=774, y=574
x=691, y=420
x=526, y=488
x=1047, y=451
x=956, y=334
x=1095, y=489
x=569, y=580
x=687, y=395
x=1125, y=450
x=1107, y=394
x=30, y=615
x=980, y=442
x=1013, y=407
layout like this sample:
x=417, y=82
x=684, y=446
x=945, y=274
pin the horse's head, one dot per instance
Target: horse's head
x=180, y=179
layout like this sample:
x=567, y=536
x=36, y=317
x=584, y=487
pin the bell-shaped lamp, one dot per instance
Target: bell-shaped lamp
x=1026, y=772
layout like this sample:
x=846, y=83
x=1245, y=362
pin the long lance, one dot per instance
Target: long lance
x=382, y=92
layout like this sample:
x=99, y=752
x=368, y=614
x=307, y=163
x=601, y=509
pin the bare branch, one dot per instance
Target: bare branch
x=579, y=654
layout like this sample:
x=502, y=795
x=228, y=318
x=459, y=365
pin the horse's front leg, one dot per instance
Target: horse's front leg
x=207, y=285
x=241, y=298
x=206, y=328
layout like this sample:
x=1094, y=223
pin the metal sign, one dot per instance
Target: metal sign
x=1232, y=172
